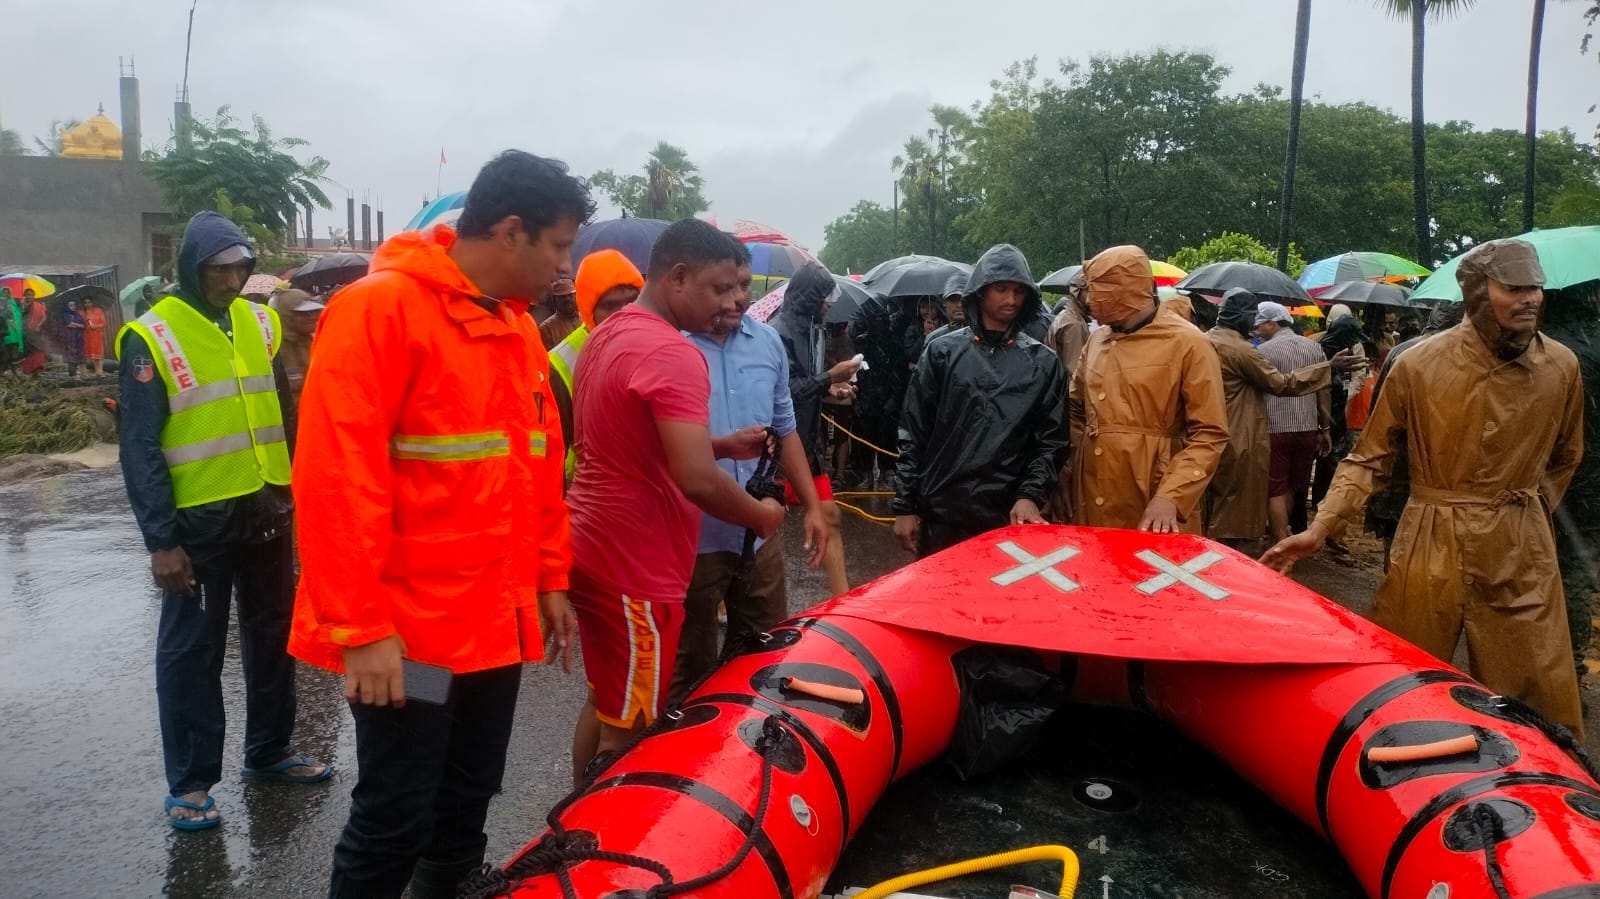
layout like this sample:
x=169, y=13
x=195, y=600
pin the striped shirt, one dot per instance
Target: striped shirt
x=1291, y=414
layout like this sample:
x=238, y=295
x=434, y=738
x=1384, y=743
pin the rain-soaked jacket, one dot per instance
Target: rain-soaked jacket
x=1237, y=498
x=1474, y=548
x=799, y=325
x=984, y=423
x=1148, y=402
x=429, y=469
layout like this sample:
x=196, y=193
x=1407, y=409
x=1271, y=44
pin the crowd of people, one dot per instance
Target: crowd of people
x=613, y=472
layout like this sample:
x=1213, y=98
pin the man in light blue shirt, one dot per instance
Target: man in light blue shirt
x=749, y=389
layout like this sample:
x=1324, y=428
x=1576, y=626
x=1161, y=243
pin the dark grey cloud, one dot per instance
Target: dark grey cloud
x=792, y=110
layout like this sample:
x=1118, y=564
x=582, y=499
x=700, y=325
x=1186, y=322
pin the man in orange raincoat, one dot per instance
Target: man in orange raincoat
x=434, y=543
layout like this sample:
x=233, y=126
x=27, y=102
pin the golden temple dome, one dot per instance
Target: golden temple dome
x=97, y=138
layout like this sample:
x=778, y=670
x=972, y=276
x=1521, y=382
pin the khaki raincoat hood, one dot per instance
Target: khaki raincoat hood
x=1121, y=289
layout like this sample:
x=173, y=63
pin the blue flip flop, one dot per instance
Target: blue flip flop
x=191, y=823
x=280, y=771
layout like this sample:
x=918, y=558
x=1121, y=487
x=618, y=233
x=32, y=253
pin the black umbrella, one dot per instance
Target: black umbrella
x=1261, y=280
x=884, y=267
x=1060, y=280
x=918, y=279
x=1373, y=293
x=334, y=268
x=632, y=237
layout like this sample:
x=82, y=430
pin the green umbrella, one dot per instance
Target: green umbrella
x=1568, y=256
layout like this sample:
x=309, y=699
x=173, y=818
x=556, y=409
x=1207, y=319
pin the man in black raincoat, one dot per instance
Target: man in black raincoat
x=800, y=325
x=984, y=430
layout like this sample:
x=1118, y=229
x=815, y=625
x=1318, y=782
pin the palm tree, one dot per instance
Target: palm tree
x=1418, y=11
x=11, y=143
x=1297, y=89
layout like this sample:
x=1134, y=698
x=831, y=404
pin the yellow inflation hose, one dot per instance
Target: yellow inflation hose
x=1068, y=859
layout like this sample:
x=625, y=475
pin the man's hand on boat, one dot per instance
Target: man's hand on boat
x=1282, y=556
x=1160, y=516
x=1026, y=511
x=905, y=528
x=373, y=674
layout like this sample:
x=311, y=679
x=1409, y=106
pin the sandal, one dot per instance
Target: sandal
x=201, y=823
x=280, y=771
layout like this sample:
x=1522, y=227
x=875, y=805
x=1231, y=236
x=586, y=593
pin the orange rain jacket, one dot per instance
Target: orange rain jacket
x=428, y=469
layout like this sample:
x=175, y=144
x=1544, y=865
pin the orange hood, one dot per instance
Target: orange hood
x=598, y=273
x=425, y=256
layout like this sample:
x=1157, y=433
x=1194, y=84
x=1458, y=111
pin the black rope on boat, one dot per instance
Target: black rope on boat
x=1520, y=711
x=772, y=733
x=1486, y=820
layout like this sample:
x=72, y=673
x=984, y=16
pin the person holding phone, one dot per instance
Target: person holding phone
x=434, y=542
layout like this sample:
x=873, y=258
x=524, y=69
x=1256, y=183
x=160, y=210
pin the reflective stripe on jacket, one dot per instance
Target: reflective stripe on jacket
x=429, y=481
x=224, y=436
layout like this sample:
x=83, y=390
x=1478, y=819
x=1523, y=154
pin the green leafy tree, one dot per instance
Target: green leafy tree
x=1231, y=246
x=255, y=169
x=670, y=187
x=11, y=144
x=859, y=239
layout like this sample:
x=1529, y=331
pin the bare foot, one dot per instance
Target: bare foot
x=198, y=797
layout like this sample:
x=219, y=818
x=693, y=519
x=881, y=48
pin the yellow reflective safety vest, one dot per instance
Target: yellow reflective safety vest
x=224, y=434
x=564, y=365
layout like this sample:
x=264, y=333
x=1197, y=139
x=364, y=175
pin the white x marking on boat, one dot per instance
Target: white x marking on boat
x=1187, y=574
x=1041, y=566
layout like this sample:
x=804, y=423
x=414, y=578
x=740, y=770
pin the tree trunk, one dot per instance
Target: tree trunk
x=1531, y=129
x=1419, y=135
x=1297, y=88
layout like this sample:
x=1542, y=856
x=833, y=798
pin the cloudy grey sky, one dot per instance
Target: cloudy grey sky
x=792, y=109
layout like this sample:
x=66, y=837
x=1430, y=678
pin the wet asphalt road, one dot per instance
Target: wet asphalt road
x=81, y=784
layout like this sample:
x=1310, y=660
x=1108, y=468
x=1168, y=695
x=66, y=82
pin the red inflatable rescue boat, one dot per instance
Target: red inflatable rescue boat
x=1428, y=785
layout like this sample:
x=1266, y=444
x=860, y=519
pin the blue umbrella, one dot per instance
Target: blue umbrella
x=435, y=211
x=632, y=237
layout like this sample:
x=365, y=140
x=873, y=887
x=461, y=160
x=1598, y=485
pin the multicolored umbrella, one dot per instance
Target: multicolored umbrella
x=1363, y=266
x=774, y=260
x=632, y=237
x=1166, y=274
x=445, y=210
x=19, y=282
x=1568, y=256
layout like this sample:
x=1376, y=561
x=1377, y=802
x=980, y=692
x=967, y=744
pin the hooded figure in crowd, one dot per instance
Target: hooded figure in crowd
x=1237, y=498
x=1475, y=551
x=1148, y=399
x=984, y=427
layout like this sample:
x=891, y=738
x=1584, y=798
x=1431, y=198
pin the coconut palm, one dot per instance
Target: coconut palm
x=1297, y=90
x=1418, y=12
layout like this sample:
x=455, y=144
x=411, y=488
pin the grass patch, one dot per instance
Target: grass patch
x=38, y=418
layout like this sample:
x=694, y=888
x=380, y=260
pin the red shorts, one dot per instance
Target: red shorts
x=824, y=490
x=629, y=648
x=1292, y=456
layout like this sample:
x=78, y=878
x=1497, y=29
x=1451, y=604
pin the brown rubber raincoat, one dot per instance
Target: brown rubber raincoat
x=1148, y=404
x=1492, y=445
x=1237, y=499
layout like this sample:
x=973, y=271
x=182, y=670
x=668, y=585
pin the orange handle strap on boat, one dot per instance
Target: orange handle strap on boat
x=846, y=695
x=1423, y=751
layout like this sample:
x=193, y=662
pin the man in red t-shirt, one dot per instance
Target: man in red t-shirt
x=647, y=469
